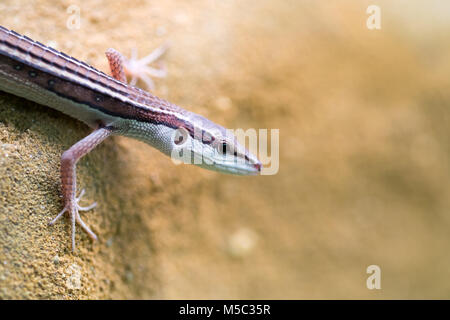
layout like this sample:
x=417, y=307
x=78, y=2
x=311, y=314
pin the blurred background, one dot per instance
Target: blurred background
x=364, y=174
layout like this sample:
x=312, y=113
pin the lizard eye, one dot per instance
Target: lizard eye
x=224, y=148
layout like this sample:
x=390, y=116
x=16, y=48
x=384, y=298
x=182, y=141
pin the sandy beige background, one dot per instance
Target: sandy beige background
x=364, y=156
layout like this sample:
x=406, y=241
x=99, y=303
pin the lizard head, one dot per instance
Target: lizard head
x=212, y=147
x=193, y=139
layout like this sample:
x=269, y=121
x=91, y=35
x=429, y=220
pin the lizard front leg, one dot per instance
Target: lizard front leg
x=69, y=160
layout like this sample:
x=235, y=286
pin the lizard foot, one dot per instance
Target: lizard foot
x=139, y=69
x=75, y=211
